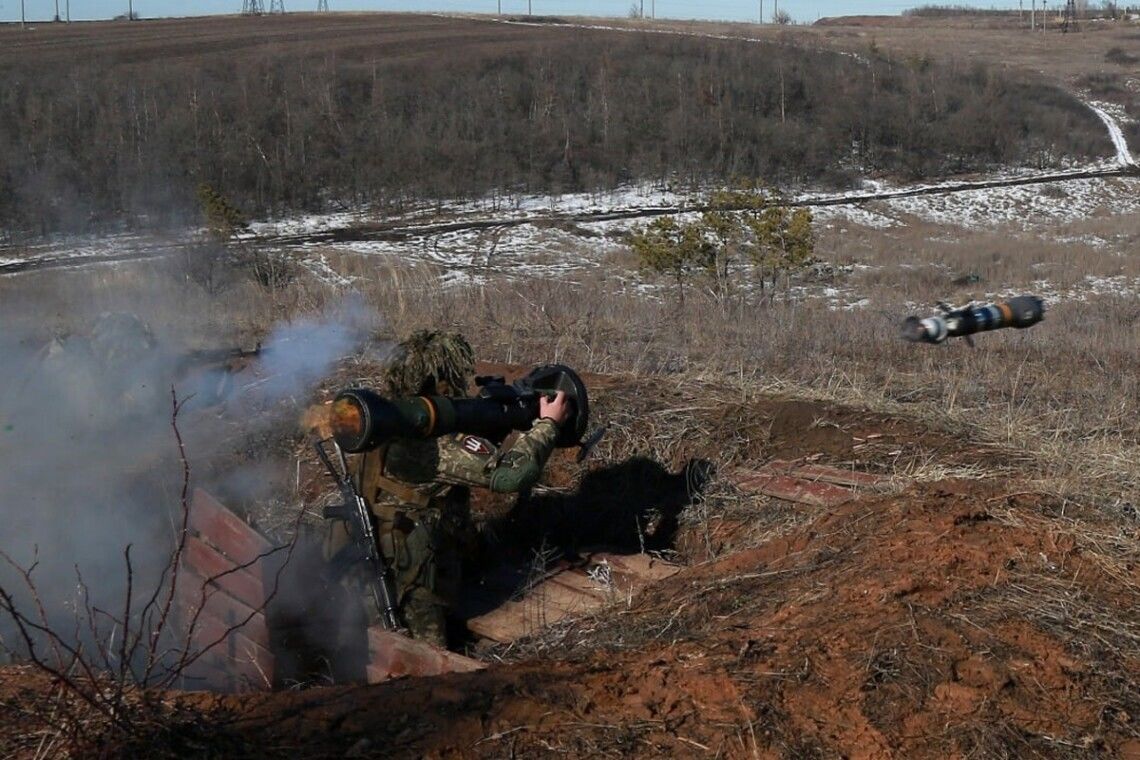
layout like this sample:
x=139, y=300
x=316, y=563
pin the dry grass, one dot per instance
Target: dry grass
x=1060, y=400
x=1065, y=392
x=1004, y=41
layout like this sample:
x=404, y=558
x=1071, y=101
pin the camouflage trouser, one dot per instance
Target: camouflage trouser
x=423, y=547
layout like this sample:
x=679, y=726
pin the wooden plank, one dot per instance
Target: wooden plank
x=238, y=659
x=220, y=605
x=578, y=580
x=551, y=601
x=571, y=591
x=208, y=673
x=792, y=489
x=392, y=655
x=206, y=562
x=224, y=530
x=639, y=569
x=546, y=604
x=510, y=621
x=214, y=632
x=837, y=476
x=822, y=472
x=234, y=664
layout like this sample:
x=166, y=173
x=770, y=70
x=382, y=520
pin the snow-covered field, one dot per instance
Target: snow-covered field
x=571, y=248
x=562, y=237
x=571, y=236
x=567, y=236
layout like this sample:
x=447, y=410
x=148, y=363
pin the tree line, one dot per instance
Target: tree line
x=119, y=139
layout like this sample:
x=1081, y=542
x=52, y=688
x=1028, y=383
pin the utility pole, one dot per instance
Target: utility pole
x=56, y=11
x=1044, y=15
x=322, y=6
x=69, y=11
x=1070, y=19
x=776, y=10
x=1033, y=16
x=22, y=19
x=761, y=11
x=130, y=10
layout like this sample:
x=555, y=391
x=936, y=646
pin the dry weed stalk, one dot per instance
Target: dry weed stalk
x=129, y=658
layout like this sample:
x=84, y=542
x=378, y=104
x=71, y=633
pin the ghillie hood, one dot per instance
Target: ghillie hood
x=427, y=357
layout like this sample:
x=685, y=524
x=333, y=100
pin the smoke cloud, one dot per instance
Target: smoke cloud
x=90, y=459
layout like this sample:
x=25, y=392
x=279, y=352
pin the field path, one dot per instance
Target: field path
x=1123, y=156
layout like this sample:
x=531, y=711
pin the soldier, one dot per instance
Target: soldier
x=418, y=490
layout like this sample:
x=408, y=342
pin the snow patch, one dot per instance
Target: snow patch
x=1108, y=113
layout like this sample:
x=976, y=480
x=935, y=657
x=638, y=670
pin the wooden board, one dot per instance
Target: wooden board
x=791, y=488
x=826, y=473
x=236, y=664
x=806, y=482
x=231, y=563
x=220, y=597
x=392, y=655
x=593, y=582
x=191, y=600
x=225, y=531
x=208, y=563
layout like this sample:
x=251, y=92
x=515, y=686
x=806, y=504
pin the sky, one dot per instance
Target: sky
x=802, y=11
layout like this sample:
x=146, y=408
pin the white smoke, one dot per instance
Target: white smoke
x=90, y=462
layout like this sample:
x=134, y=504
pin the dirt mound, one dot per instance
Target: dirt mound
x=953, y=619
x=948, y=617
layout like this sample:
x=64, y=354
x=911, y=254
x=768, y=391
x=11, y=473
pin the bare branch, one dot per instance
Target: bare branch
x=155, y=632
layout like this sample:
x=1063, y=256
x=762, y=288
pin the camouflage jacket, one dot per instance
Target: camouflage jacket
x=418, y=472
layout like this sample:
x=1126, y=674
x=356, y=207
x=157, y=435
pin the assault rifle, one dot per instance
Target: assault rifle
x=1019, y=312
x=358, y=520
x=214, y=356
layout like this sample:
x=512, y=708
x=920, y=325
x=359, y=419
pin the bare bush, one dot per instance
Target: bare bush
x=111, y=666
x=572, y=110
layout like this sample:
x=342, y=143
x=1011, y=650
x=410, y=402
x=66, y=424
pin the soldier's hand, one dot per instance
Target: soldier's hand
x=557, y=409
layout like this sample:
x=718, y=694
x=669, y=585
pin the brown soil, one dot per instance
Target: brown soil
x=1004, y=40
x=955, y=618
x=949, y=618
x=905, y=625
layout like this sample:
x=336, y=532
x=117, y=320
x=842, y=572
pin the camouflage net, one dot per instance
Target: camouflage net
x=447, y=357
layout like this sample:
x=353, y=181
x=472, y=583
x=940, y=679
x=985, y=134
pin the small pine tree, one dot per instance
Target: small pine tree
x=673, y=249
x=211, y=261
x=223, y=219
x=745, y=222
x=783, y=240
